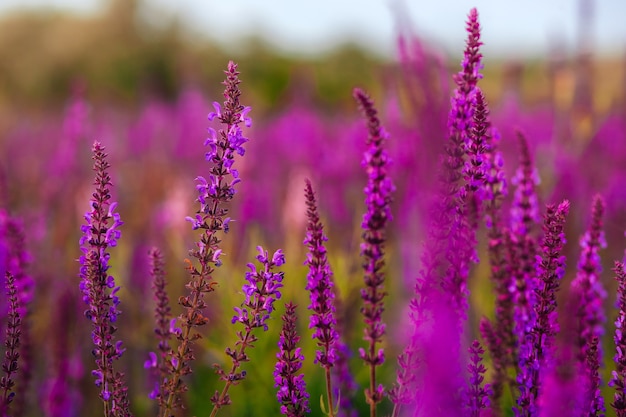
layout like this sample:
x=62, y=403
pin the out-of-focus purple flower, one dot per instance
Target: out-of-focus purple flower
x=12, y=343
x=537, y=347
x=587, y=295
x=261, y=291
x=477, y=396
x=98, y=287
x=618, y=376
x=292, y=394
x=378, y=213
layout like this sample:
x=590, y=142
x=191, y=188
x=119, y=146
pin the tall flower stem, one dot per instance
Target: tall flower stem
x=378, y=213
x=213, y=195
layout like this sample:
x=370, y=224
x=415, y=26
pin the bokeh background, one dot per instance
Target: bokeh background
x=140, y=76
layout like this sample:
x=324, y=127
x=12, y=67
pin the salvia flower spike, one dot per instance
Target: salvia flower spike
x=457, y=198
x=100, y=232
x=320, y=287
x=214, y=194
x=378, y=213
x=292, y=394
x=537, y=347
x=588, y=294
x=261, y=291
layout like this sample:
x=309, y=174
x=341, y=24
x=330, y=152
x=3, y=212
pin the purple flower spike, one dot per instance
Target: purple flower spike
x=261, y=291
x=618, y=376
x=320, y=287
x=98, y=287
x=457, y=199
x=537, y=346
x=377, y=201
x=215, y=192
x=587, y=295
x=292, y=394
x=478, y=392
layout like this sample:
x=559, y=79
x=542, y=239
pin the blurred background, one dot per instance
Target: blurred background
x=140, y=76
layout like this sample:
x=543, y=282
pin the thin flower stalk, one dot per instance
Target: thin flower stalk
x=618, y=376
x=538, y=344
x=214, y=194
x=378, y=213
x=261, y=291
x=100, y=232
x=12, y=343
x=320, y=286
x=292, y=394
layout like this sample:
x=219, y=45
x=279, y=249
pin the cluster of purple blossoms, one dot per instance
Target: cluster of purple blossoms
x=100, y=232
x=292, y=394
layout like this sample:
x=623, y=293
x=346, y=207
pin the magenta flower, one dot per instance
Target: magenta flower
x=292, y=394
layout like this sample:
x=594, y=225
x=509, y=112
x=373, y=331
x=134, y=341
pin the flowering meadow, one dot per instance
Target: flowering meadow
x=423, y=255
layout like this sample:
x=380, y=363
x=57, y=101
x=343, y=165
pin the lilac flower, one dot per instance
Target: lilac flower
x=478, y=392
x=12, y=344
x=214, y=194
x=98, y=287
x=525, y=210
x=618, y=376
x=292, y=394
x=261, y=291
x=537, y=346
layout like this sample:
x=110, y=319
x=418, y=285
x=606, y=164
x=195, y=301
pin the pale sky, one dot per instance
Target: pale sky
x=304, y=26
